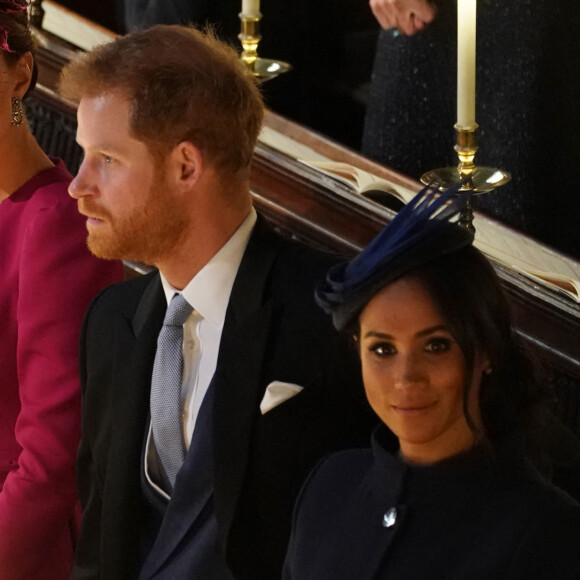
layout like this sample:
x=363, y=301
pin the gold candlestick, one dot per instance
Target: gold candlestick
x=262, y=68
x=476, y=180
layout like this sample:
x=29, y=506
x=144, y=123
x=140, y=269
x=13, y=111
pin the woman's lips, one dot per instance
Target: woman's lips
x=412, y=409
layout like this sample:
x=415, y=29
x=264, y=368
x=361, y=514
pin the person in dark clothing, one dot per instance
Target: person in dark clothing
x=212, y=385
x=528, y=55
x=456, y=497
x=325, y=42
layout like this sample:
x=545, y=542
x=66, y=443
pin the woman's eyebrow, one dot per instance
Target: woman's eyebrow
x=376, y=334
x=424, y=332
x=432, y=329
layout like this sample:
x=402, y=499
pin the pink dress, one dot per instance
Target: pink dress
x=47, y=279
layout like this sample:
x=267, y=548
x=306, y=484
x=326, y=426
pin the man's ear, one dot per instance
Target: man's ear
x=187, y=164
x=23, y=74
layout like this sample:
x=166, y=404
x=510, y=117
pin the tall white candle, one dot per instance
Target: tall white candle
x=250, y=7
x=466, y=62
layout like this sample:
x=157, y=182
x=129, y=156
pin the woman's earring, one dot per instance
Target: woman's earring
x=17, y=112
x=487, y=371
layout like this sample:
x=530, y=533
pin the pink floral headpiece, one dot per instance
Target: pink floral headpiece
x=8, y=7
x=4, y=39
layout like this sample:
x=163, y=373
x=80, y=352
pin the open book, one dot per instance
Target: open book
x=363, y=183
x=356, y=179
x=528, y=257
x=503, y=245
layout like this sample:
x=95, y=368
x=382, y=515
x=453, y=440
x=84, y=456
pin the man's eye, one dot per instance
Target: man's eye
x=437, y=345
x=383, y=349
x=107, y=159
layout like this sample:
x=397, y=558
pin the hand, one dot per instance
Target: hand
x=407, y=16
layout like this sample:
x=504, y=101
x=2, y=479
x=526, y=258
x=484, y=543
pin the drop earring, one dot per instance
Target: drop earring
x=17, y=112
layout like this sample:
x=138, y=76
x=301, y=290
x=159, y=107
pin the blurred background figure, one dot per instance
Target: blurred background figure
x=528, y=87
x=47, y=279
x=403, y=16
x=329, y=45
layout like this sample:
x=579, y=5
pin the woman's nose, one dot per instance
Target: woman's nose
x=410, y=370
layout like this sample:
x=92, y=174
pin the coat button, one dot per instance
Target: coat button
x=390, y=518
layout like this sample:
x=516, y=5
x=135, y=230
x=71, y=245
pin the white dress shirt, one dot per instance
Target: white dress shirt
x=209, y=294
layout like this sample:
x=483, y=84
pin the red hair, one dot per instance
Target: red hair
x=183, y=85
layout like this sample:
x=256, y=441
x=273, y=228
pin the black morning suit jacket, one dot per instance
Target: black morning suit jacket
x=273, y=331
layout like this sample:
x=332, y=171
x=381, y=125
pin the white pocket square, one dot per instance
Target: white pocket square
x=277, y=392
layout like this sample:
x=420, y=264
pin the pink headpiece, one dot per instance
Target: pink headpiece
x=4, y=39
x=8, y=7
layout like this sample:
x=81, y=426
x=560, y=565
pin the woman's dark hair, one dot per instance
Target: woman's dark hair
x=468, y=295
x=18, y=36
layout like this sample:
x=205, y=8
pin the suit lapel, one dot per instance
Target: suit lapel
x=133, y=352
x=136, y=343
x=237, y=381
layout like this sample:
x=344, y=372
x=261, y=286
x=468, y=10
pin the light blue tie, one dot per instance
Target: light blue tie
x=166, y=409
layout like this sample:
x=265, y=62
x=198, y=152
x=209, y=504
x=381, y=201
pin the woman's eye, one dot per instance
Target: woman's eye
x=383, y=349
x=437, y=345
x=107, y=159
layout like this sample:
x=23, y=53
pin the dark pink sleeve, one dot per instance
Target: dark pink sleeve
x=38, y=503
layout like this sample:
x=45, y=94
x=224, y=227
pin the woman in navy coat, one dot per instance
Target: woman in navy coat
x=454, y=495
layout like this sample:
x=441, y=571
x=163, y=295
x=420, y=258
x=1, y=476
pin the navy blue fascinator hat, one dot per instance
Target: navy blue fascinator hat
x=423, y=230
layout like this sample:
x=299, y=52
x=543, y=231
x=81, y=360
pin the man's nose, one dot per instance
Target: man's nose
x=81, y=185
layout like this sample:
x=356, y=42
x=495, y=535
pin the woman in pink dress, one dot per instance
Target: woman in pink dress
x=47, y=278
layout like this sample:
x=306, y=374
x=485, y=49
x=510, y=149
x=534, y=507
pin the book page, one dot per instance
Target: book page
x=508, y=247
x=527, y=256
x=359, y=180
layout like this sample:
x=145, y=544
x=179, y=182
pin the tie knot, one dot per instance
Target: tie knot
x=178, y=311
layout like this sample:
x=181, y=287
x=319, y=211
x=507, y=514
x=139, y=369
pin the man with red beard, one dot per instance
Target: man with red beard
x=212, y=385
